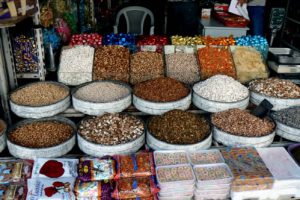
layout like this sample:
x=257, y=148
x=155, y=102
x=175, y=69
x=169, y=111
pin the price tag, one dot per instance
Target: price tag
x=151, y=48
x=169, y=49
x=189, y=49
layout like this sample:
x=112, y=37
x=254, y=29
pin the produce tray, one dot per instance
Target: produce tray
x=284, y=56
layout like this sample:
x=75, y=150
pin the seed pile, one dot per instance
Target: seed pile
x=102, y=92
x=276, y=88
x=215, y=60
x=161, y=90
x=170, y=158
x=179, y=127
x=41, y=134
x=76, y=65
x=111, y=63
x=221, y=88
x=111, y=129
x=242, y=123
x=207, y=173
x=289, y=116
x=146, y=66
x=183, y=67
x=39, y=94
x=206, y=157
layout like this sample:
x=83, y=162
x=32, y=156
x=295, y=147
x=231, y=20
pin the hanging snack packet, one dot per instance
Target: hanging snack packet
x=54, y=189
x=135, y=165
x=14, y=171
x=135, y=188
x=97, y=169
x=54, y=168
x=93, y=190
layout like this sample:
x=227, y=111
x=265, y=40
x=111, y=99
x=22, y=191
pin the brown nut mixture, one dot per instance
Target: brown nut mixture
x=41, y=134
x=39, y=94
x=161, y=90
x=111, y=63
x=111, y=129
x=179, y=127
x=275, y=87
x=146, y=66
x=242, y=123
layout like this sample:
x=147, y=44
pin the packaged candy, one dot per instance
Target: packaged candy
x=97, y=169
x=54, y=168
x=206, y=157
x=135, y=188
x=12, y=192
x=135, y=165
x=12, y=171
x=248, y=169
x=93, y=190
x=54, y=189
x=163, y=158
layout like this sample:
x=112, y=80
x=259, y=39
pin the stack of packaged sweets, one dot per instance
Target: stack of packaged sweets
x=95, y=178
x=13, y=178
x=213, y=176
x=135, y=177
x=52, y=179
x=249, y=171
x=174, y=174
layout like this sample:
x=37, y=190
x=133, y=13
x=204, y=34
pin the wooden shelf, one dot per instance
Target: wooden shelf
x=11, y=22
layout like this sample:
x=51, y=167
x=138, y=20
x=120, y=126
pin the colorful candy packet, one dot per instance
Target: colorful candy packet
x=13, y=192
x=15, y=171
x=93, y=190
x=135, y=165
x=135, y=188
x=96, y=169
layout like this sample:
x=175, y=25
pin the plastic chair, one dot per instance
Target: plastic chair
x=135, y=18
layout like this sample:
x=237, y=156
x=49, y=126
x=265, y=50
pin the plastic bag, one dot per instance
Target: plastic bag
x=135, y=165
x=12, y=192
x=93, y=190
x=54, y=189
x=132, y=188
x=97, y=169
x=54, y=168
x=14, y=171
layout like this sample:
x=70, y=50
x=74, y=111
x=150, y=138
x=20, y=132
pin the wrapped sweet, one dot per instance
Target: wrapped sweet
x=93, y=190
x=12, y=192
x=15, y=171
x=54, y=189
x=96, y=169
x=54, y=168
x=93, y=39
x=135, y=165
x=132, y=188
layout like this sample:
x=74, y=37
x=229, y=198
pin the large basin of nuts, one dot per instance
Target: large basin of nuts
x=111, y=129
x=161, y=90
x=179, y=127
x=40, y=94
x=43, y=133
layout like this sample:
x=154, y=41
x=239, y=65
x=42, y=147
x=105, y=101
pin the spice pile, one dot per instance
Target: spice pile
x=111, y=129
x=289, y=116
x=215, y=60
x=146, y=66
x=102, y=92
x=242, y=123
x=111, y=63
x=39, y=94
x=183, y=67
x=179, y=127
x=274, y=87
x=249, y=64
x=221, y=88
x=76, y=65
x=41, y=134
x=161, y=90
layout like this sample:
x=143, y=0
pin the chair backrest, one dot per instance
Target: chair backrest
x=135, y=18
